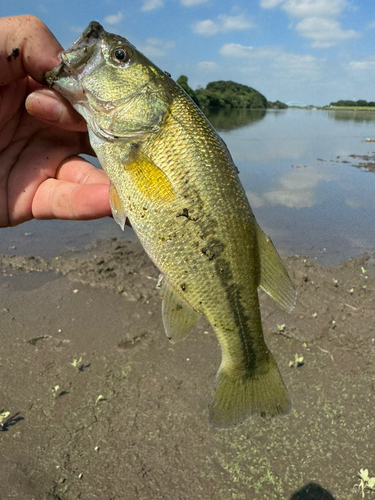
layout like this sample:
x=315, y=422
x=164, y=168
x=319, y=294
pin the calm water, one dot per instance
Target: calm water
x=305, y=175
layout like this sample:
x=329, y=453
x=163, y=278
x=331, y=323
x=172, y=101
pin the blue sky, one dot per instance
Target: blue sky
x=309, y=51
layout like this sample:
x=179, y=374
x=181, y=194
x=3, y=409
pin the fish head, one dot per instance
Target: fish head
x=119, y=92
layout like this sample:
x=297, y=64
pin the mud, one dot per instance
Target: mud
x=362, y=162
x=102, y=406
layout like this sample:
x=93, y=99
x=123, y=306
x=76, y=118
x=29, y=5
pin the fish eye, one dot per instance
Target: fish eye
x=121, y=55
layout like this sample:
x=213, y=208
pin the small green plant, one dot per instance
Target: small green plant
x=77, y=363
x=366, y=482
x=298, y=361
x=55, y=390
x=4, y=415
x=281, y=330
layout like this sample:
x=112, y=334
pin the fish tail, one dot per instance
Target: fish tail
x=239, y=395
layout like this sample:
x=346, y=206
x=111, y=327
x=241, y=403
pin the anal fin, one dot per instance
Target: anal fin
x=274, y=278
x=178, y=316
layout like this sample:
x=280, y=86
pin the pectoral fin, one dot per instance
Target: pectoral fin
x=274, y=278
x=178, y=316
x=148, y=179
x=116, y=206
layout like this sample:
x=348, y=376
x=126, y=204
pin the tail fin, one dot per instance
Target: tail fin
x=238, y=396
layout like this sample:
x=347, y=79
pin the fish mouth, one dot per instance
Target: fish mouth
x=76, y=56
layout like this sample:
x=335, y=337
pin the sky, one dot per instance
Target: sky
x=296, y=51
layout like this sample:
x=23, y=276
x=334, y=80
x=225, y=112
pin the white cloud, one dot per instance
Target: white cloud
x=317, y=19
x=114, y=18
x=208, y=65
x=192, y=2
x=296, y=189
x=207, y=27
x=286, y=63
x=366, y=65
x=255, y=199
x=294, y=64
x=238, y=50
x=230, y=23
x=314, y=8
x=270, y=4
x=151, y=5
x=277, y=73
x=222, y=24
x=323, y=32
x=154, y=47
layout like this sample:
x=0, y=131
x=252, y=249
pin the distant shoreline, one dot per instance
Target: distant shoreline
x=370, y=109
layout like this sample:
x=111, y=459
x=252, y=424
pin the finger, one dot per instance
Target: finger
x=29, y=48
x=56, y=199
x=80, y=171
x=49, y=106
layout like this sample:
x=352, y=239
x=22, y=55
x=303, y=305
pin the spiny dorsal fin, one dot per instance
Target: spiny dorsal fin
x=178, y=316
x=274, y=278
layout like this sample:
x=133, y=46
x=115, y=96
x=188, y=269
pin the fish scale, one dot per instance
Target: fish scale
x=174, y=178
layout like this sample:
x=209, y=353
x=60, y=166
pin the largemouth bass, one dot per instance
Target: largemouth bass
x=174, y=178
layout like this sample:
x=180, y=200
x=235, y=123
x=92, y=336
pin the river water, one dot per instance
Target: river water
x=309, y=176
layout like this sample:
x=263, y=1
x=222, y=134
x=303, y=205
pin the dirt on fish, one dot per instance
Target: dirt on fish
x=102, y=406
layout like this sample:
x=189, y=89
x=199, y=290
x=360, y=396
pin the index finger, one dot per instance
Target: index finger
x=27, y=47
x=78, y=170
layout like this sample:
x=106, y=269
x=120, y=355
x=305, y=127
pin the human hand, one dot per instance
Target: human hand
x=40, y=174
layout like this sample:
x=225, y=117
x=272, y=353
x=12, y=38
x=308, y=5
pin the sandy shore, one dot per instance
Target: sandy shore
x=102, y=406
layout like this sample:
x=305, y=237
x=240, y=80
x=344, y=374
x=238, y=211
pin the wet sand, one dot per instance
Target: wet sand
x=102, y=406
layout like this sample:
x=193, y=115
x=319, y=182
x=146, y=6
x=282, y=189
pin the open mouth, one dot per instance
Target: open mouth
x=78, y=54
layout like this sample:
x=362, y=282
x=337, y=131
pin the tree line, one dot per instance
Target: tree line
x=361, y=103
x=228, y=94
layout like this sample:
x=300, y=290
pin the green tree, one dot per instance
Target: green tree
x=228, y=94
x=277, y=105
x=183, y=83
x=231, y=95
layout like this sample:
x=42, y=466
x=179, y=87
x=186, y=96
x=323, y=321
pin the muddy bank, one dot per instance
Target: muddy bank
x=102, y=406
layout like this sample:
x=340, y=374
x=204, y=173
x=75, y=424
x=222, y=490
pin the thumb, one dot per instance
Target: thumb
x=29, y=48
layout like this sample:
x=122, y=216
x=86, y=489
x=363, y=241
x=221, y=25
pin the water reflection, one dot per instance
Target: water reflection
x=224, y=119
x=293, y=189
x=352, y=115
x=297, y=168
